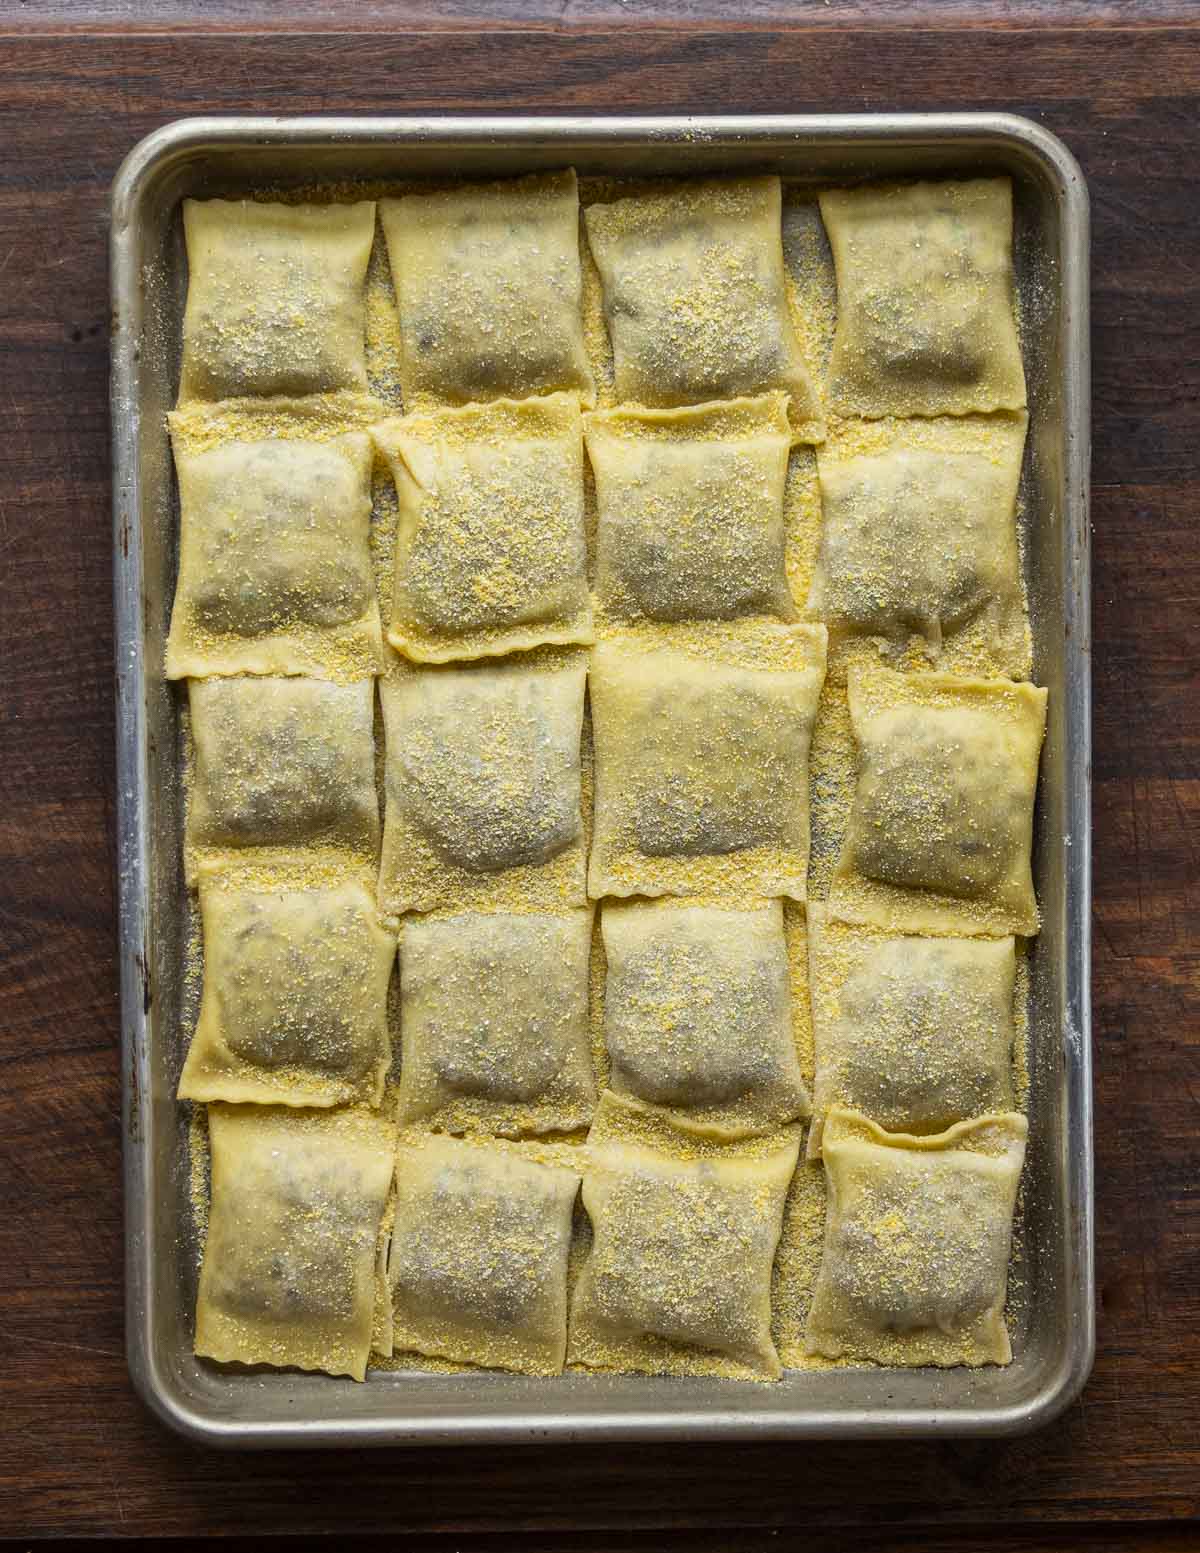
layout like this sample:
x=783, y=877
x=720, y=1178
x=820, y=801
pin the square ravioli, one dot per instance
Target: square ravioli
x=289, y=1268
x=488, y=285
x=921, y=541
x=925, y=321
x=678, y=1278
x=916, y=1032
x=294, y=1010
x=282, y=763
x=274, y=560
x=696, y=296
x=941, y=832
x=917, y=1239
x=490, y=549
x=483, y=785
x=494, y=1015
x=691, y=510
x=275, y=301
x=478, y=1264
x=702, y=764
x=697, y=1014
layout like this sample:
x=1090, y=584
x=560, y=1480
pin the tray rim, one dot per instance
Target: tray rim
x=130, y=185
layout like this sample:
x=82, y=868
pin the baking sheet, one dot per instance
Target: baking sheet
x=1053, y=1340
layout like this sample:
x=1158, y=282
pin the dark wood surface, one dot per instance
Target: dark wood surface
x=78, y=1456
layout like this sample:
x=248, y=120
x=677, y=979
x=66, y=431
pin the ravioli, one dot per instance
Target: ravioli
x=294, y=1009
x=275, y=300
x=691, y=511
x=917, y=1240
x=696, y=298
x=915, y=1032
x=483, y=785
x=922, y=542
x=494, y=1015
x=489, y=289
x=941, y=831
x=490, y=550
x=702, y=764
x=697, y=1014
x=926, y=324
x=282, y=763
x=679, y=1272
x=288, y=1277
x=478, y=1263
x=275, y=567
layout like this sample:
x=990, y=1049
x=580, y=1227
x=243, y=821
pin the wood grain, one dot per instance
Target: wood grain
x=124, y=16
x=78, y=1456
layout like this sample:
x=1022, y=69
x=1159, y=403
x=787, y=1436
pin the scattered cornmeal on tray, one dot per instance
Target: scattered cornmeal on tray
x=687, y=583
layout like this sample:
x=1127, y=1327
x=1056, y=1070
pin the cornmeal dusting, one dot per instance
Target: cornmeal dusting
x=670, y=1073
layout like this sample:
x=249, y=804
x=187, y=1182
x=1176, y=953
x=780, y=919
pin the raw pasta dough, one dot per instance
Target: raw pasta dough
x=488, y=285
x=691, y=510
x=696, y=298
x=275, y=569
x=490, y=549
x=679, y=1273
x=702, y=764
x=478, y=1263
x=697, y=1014
x=922, y=541
x=289, y=1265
x=282, y=763
x=917, y=1240
x=941, y=831
x=915, y=1032
x=925, y=299
x=495, y=1022
x=295, y=998
x=483, y=785
x=275, y=299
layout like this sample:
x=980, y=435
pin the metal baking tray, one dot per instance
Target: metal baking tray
x=1054, y=1339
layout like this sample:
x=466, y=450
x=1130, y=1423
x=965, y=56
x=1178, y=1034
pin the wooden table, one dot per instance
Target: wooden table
x=77, y=1453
